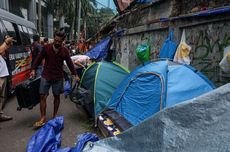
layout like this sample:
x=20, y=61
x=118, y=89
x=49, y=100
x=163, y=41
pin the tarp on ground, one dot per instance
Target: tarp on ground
x=201, y=124
x=154, y=86
x=48, y=138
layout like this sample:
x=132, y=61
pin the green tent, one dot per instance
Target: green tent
x=102, y=78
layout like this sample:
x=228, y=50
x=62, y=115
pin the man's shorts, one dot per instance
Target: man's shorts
x=57, y=86
x=3, y=81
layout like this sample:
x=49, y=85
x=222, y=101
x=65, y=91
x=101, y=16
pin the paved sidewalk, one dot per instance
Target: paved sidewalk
x=15, y=134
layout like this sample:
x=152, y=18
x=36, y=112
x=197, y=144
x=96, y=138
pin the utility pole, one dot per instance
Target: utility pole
x=39, y=18
x=78, y=20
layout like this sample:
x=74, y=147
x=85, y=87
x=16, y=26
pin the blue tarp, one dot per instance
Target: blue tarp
x=118, y=33
x=100, y=51
x=48, y=138
x=144, y=1
x=154, y=86
x=83, y=139
x=208, y=12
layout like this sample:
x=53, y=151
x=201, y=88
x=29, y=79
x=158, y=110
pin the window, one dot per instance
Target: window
x=24, y=35
x=11, y=31
x=31, y=33
x=2, y=32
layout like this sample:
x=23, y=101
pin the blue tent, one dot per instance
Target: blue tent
x=154, y=86
x=200, y=124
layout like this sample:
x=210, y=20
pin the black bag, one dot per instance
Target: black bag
x=80, y=95
x=27, y=93
x=73, y=93
x=83, y=97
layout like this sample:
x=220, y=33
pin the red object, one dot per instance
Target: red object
x=20, y=77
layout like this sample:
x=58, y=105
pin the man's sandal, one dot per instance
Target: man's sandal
x=39, y=124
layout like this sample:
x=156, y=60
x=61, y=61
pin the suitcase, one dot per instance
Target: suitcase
x=111, y=123
x=27, y=93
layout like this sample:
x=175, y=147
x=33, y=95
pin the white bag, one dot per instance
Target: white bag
x=225, y=62
x=226, y=50
x=182, y=52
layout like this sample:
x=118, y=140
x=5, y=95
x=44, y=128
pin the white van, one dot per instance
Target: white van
x=19, y=56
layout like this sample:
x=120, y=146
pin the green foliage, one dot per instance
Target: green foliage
x=88, y=7
x=50, y=5
x=105, y=14
x=89, y=13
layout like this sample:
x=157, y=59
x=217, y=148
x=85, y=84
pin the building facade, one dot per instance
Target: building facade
x=28, y=9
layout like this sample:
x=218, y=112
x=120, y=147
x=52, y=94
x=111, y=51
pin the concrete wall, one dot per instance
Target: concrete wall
x=208, y=36
x=208, y=42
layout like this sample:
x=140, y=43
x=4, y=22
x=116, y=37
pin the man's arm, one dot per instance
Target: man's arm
x=8, y=41
x=79, y=64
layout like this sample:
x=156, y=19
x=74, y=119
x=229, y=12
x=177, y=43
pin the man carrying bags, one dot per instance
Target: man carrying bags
x=52, y=75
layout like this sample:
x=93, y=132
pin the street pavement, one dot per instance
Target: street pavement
x=15, y=134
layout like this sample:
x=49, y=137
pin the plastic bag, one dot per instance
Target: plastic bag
x=226, y=50
x=182, y=52
x=143, y=52
x=169, y=47
x=67, y=87
x=225, y=62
